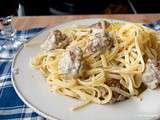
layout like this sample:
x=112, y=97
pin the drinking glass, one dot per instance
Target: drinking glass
x=9, y=42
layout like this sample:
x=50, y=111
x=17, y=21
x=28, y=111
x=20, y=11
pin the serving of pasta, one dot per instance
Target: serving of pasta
x=100, y=63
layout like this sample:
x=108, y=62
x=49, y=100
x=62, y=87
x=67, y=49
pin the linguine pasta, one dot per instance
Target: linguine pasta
x=109, y=72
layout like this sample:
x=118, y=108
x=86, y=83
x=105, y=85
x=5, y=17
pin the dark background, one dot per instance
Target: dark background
x=66, y=7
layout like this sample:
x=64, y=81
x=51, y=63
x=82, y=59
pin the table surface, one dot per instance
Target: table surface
x=42, y=21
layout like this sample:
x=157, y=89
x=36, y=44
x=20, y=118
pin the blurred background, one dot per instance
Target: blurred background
x=67, y=7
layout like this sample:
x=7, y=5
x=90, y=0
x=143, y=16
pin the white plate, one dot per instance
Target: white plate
x=34, y=91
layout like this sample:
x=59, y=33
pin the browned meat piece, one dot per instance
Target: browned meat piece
x=116, y=97
x=100, y=25
x=71, y=62
x=100, y=43
x=56, y=39
x=151, y=75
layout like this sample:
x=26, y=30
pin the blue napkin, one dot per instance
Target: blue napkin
x=11, y=106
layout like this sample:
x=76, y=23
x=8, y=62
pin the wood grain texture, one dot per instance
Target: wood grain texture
x=42, y=21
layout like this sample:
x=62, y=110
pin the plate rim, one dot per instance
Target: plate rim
x=20, y=94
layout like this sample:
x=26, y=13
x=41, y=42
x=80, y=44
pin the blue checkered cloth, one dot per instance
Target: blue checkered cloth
x=11, y=106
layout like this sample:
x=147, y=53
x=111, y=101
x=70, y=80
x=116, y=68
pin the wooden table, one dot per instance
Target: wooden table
x=41, y=21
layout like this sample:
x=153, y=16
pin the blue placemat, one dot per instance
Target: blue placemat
x=11, y=106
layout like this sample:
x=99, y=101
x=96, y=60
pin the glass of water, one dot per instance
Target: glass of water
x=9, y=42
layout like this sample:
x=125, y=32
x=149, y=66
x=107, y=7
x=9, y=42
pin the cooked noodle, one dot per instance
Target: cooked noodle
x=125, y=62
